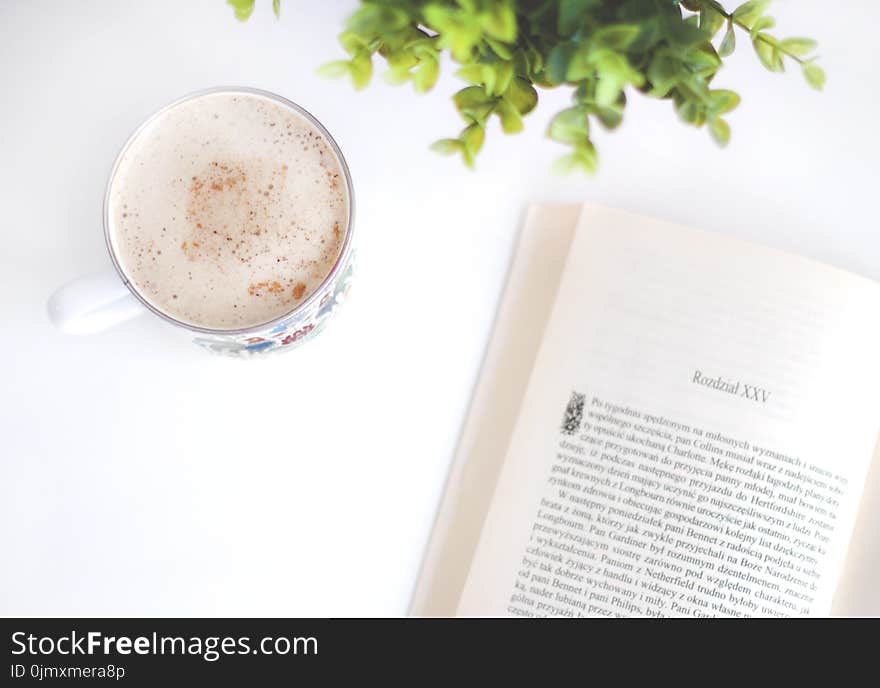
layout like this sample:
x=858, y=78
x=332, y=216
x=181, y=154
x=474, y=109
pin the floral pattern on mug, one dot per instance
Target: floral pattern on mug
x=299, y=328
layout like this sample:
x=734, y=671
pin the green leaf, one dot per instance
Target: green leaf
x=402, y=60
x=617, y=37
x=500, y=21
x=684, y=33
x=609, y=115
x=361, y=69
x=608, y=89
x=585, y=93
x=461, y=43
x=760, y=24
x=814, y=75
x=458, y=34
x=376, y=19
x=570, y=126
x=474, y=104
x=503, y=76
x=614, y=73
x=533, y=59
x=572, y=14
x=703, y=60
x=472, y=73
x=511, y=121
x=446, y=146
x=799, y=47
x=499, y=48
x=276, y=8
x=353, y=42
x=522, y=95
x=242, y=8
x=711, y=20
x=583, y=158
x=335, y=69
x=663, y=73
x=397, y=75
x=420, y=48
x=440, y=18
x=748, y=12
x=720, y=130
x=581, y=64
x=691, y=112
x=728, y=43
x=768, y=52
x=721, y=101
x=426, y=75
x=470, y=97
x=472, y=141
x=472, y=138
x=557, y=63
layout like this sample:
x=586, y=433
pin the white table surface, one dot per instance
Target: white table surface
x=140, y=476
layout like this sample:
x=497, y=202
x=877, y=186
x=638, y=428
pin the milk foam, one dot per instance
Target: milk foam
x=228, y=210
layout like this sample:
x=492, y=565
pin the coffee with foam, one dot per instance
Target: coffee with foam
x=228, y=210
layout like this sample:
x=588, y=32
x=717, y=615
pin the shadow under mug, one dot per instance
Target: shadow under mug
x=93, y=303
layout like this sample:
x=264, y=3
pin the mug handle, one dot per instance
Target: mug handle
x=93, y=303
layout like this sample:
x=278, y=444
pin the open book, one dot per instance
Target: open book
x=669, y=422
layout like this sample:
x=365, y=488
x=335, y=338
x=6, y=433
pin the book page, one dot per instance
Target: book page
x=857, y=591
x=510, y=356
x=695, y=435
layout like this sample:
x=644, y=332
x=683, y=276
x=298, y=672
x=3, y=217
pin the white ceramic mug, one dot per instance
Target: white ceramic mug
x=97, y=302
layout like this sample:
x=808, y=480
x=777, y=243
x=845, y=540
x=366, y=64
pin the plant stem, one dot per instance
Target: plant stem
x=718, y=7
x=761, y=38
